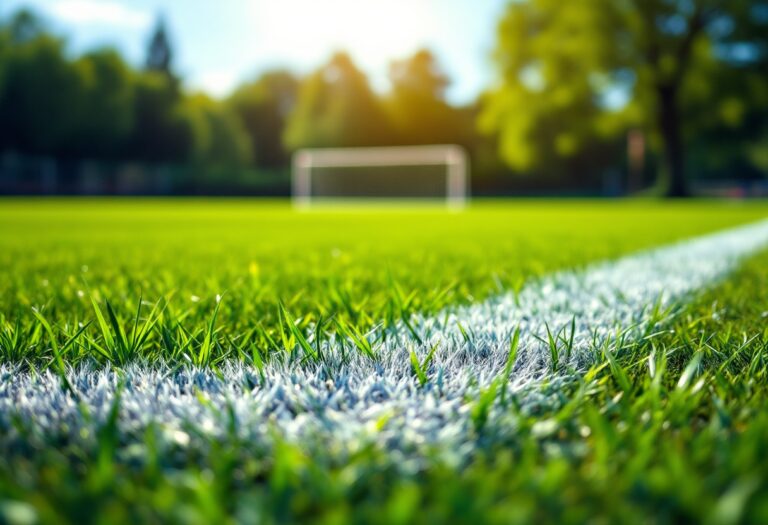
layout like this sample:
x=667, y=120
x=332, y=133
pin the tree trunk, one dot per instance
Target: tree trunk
x=674, y=151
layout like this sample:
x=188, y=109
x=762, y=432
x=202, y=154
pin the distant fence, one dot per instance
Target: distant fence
x=747, y=189
x=29, y=175
x=39, y=175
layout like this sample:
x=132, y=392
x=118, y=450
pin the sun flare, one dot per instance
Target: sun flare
x=374, y=32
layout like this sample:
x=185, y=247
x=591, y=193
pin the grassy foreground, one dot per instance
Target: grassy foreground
x=672, y=430
x=216, y=272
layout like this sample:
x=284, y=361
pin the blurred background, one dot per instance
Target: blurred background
x=547, y=97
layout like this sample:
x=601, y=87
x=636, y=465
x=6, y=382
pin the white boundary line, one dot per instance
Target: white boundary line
x=382, y=403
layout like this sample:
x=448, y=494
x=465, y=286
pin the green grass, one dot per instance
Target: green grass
x=90, y=262
x=669, y=429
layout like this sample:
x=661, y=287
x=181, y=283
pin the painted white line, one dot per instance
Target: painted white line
x=348, y=402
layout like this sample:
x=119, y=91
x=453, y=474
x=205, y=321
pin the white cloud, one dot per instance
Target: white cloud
x=99, y=12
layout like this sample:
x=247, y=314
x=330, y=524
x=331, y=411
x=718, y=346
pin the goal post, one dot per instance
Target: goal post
x=392, y=171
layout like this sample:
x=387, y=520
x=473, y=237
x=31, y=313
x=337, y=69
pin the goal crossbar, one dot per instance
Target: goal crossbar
x=451, y=156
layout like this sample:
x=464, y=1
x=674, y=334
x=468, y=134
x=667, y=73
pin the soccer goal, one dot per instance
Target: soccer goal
x=402, y=172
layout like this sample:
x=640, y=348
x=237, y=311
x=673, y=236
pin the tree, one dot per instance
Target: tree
x=263, y=107
x=24, y=26
x=105, y=114
x=336, y=107
x=161, y=130
x=219, y=138
x=40, y=96
x=417, y=106
x=729, y=114
x=159, y=52
x=565, y=66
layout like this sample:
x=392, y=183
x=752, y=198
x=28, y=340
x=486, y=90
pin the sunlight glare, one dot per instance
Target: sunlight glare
x=374, y=32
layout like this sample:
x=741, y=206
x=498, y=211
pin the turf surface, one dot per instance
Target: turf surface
x=357, y=267
x=677, y=436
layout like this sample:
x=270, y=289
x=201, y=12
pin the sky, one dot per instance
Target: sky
x=221, y=43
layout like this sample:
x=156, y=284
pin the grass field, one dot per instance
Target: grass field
x=105, y=299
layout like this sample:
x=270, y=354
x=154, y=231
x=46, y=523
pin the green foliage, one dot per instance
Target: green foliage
x=97, y=107
x=263, y=107
x=337, y=107
x=417, y=107
x=562, y=62
x=161, y=133
x=36, y=118
x=105, y=120
x=219, y=136
x=421, y=368
x=548, y=54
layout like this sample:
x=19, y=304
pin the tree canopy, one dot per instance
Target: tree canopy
x=417, y=106
x=575, y=73
x=263, y=107
x=337, y=107
x=159, y=51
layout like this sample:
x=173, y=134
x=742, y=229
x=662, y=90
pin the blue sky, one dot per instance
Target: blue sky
x=220, y=43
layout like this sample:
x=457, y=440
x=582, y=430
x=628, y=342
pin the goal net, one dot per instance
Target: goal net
x=402, y=172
